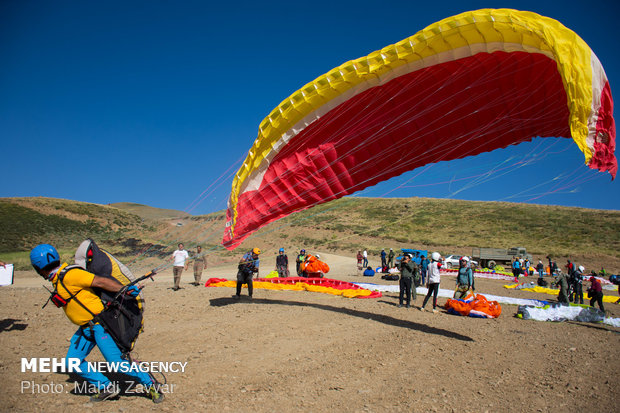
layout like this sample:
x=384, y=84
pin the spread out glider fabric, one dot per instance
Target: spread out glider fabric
x=319, y=285
x=468, y=84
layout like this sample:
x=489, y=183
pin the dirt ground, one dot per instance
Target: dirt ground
x=303, y=351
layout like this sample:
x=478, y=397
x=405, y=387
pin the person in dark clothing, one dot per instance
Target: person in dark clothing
x=540, y=268
x=407, y=269
x=562, y=282
x=247, y=267
x=282, y=264
x=577, y=284
x=423, y=268
x=383, y=259
x=595, y=292
x=391, y=258
x=301, y=257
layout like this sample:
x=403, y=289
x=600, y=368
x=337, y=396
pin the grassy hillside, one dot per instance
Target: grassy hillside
x=26, y=222
x=591, y=237
x=450, y=226
x=147, y=212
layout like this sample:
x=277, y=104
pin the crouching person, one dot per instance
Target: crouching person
x=74, y=293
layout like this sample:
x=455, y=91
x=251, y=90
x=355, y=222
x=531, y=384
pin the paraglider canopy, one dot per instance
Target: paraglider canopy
x=468, y=84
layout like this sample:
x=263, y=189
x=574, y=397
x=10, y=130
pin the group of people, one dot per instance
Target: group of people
x=76, y=290
x=427, y=273
x=387, y=260
x=180, y=260
x=571, y=286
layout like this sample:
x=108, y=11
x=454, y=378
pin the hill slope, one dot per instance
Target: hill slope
x=591, y=237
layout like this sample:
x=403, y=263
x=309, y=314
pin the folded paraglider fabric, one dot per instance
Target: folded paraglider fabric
x=477, y=306
x=320, y=285
x=551, y=291
x=572, y=312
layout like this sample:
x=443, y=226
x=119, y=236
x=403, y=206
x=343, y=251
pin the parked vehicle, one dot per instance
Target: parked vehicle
x=416, y=255
x=452, y=261
x=490, y=257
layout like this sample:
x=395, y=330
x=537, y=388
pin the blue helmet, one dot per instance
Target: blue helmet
x=281, y=249
x=44, y=257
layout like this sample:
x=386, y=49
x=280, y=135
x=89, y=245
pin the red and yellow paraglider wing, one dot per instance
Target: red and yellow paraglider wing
x=468, y=84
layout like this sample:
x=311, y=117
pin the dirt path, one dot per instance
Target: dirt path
x=288, y=350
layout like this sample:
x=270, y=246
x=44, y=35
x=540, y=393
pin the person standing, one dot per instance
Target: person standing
x=562, y=282
x=391, y=258
x=282, y=264
x=407, y=268
x=248, y=266
x=595, y=292
x=180, y=263
x=540, y=268
x=301, y=257
x=516, y=268
x=464, y=279
x=383, y=260
x=365, y=256
x=433, y=280
x=75, y=291
x=577, y=281
x=200, y=264
x=359, y=260
x=423, y=268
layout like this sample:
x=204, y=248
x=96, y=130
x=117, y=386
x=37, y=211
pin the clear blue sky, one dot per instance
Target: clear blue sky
x=154, y=101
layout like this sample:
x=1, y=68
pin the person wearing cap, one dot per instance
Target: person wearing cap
x=595, y=292
x=432, y=283
x=248, y=266
x=464, y=279
x=282, y=264
x=540, y=268
x=383, y=259
x=562, y=282
x=200, y=264
x=301, y=257
x=391, y=258
x=577, y=284
x=75, y=291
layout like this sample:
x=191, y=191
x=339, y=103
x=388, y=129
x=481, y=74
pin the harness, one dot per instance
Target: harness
x=105, y=318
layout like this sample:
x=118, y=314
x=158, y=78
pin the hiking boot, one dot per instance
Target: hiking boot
x=236, y=297
x=155, y=395
x=105, y=394
x=399, y=305
x=408, y=306
x=434, y=311
x=422, y=309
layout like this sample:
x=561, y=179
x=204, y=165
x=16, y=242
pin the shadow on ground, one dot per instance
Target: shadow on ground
x=9, y=324
x=392, y=321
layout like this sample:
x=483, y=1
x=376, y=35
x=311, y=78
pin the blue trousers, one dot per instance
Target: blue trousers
x=82, y=343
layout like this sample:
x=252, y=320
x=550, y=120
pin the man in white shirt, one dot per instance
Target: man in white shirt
x=180, y=263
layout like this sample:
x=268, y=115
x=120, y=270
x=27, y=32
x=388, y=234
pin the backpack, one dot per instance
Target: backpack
x=121, y=318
